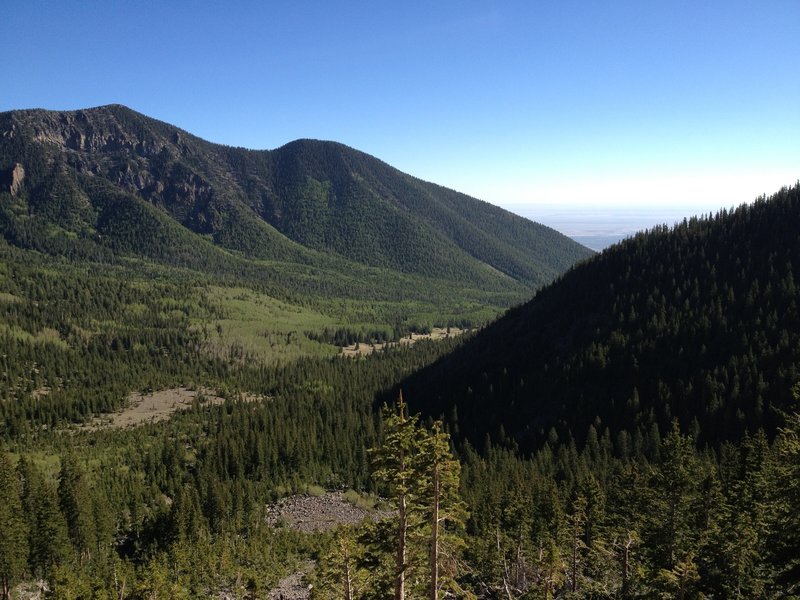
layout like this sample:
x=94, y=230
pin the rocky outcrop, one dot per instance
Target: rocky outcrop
x=14, y=179
x=319, y=513
x=92, y=131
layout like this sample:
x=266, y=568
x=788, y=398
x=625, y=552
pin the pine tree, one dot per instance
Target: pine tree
x=76, y=503
x=13, y=530
x=575, y=527
x=512, y=543
x=341, y=576
x=186, y=521
x=445, y=506
x=786, y=530
x=552, y=568
x=681, y=578
x=47, y=529
x=625, y=547
x=673, y=534
x=396, y=464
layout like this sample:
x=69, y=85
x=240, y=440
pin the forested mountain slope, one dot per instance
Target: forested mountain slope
x=92, y=177
x=136, y=258
x=697, y=323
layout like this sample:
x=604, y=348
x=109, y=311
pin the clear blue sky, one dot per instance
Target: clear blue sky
x=518, y=103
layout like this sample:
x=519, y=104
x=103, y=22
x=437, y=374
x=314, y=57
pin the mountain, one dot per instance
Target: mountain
x=698, y=323
x=131, y=287
x=116, y=179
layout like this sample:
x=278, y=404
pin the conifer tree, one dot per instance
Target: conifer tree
x=625, y=547
x=396, y=464
x=13, y=530
x=444, y=506
x=786, y=532
x=47, y=530
x=341, y=576
x=424, y=479
x=186, y=521
x=552, y=568
x=575, y=528
x=672, y=530
x=76, y=503
x=681, y=578
x=517, y=522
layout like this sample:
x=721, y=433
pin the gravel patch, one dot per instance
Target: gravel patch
x=293, y=587
x=319, y=513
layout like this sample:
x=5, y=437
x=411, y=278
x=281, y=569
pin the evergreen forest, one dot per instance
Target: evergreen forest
x=632, y=431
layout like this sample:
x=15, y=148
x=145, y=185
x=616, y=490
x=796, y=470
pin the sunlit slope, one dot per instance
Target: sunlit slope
x=87, y=173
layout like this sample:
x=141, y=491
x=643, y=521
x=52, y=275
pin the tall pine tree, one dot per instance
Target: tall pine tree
x=13, y=530
x=786, y=530
x=76, y=503
x=47, y=529
x=397, y=465
x=443, y=478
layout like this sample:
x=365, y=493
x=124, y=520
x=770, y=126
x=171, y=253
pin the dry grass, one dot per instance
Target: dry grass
x=437, y=333
x=151, y=407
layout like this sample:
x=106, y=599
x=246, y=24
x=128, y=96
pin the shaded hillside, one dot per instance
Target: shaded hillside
x=88, y=173
x=699, y=322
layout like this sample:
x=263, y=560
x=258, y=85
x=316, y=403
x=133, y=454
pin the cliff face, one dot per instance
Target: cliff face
x=168, y=168
x=94, y=131
x=13, y=179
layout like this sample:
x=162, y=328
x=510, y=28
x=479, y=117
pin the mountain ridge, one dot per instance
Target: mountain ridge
x=320, y=195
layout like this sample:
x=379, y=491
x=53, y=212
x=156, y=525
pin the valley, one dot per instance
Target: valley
x=203, y=351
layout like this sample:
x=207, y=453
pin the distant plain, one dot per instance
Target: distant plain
x=598, y=227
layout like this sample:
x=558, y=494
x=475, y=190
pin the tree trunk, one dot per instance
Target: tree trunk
x=505, y=566
x=348, y=583
x=434, y=594
x=400, y=559
x=626, y=549
x=348, y=574
x=574, y=585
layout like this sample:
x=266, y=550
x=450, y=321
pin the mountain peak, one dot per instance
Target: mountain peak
x=319, y=194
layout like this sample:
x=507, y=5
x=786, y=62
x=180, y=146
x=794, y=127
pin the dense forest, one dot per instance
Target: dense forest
x=697, y=323
x=178, y=509
x=631, y=432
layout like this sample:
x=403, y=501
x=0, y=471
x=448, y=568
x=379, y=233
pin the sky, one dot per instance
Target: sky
x=535, y=106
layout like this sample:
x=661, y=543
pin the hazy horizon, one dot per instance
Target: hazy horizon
x=514, y=102
x=598, y=227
